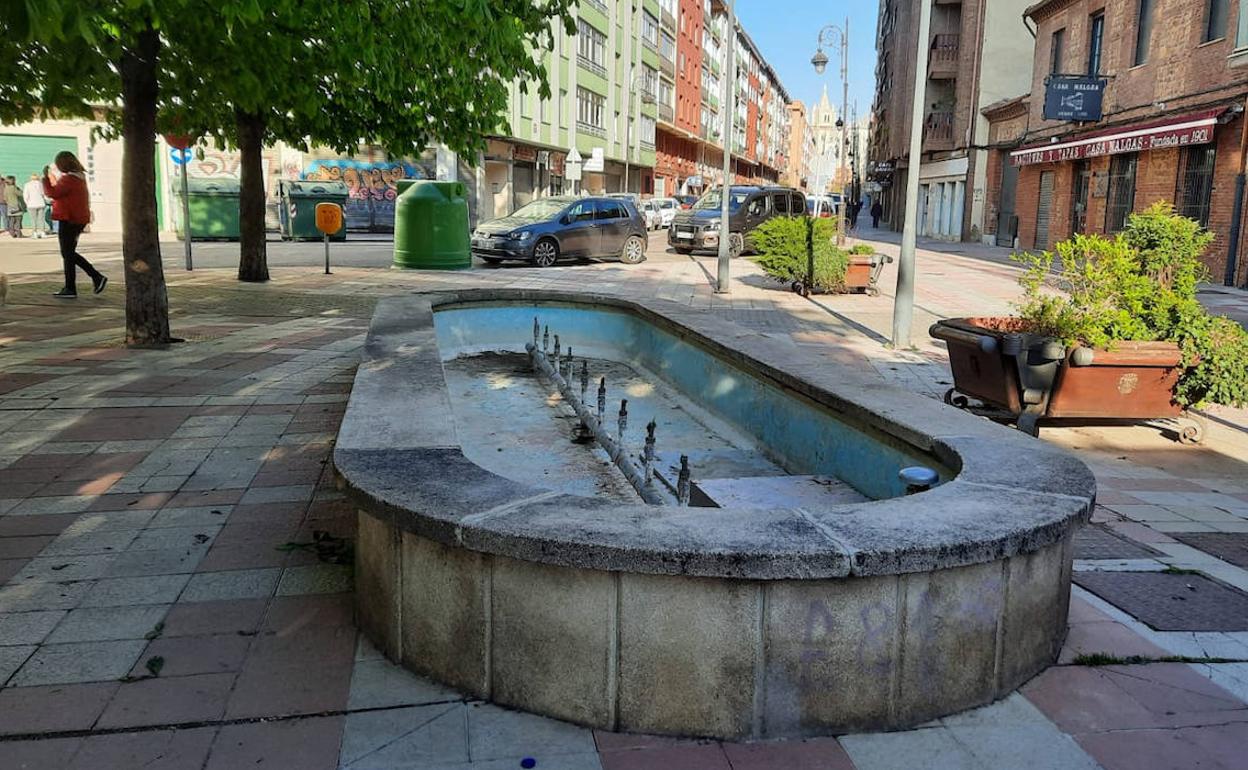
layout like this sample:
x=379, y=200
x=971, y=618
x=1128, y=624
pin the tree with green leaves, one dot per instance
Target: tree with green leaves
x=399, y=73
x=396, y=73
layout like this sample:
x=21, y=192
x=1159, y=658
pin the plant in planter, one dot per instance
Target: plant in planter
x=780, y=246
x=1116, y=333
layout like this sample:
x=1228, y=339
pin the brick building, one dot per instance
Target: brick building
x=1172, y=126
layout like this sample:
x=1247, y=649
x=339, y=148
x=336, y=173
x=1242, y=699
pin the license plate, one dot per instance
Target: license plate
x=683, y=234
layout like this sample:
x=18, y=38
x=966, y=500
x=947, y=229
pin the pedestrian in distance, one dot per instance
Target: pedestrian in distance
x=71, y=209
x=4, y=207
x=877, y=211
x=12, y=207
x=32, y=196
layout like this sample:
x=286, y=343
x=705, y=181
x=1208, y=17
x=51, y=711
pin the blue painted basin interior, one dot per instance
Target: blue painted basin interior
x=801, y=436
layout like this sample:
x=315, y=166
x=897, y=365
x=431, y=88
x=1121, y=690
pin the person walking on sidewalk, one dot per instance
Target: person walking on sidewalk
x=13, y=207
x=32, y=194
x=71, y=209
x=877, y=211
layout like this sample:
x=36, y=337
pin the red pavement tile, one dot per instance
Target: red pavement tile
x=16, y=490
x=94, y=465
x=1216, y=747
x=235, y=616
x=1140, y=533
x=290, y=613
x=285, y=478
x=306, y=744
x=168, y=700
x=811, y=754
x=311, y=687
x=39, y=754
x=23, y=547
x=54, y=708
x=190, y=655
x=45, y=524
x=1084, y=700
x=108, y=425
x=149, y=749
x=704, y=757
x=609, y=741
x=272, y=409
x=9, y=477
x=57, y=462
x=138, y=502
x=231, y=556
x=268, y=512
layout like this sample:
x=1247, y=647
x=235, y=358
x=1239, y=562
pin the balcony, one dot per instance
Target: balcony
x=943, y=61
x=667, y=114
x=592, y=66
x=938, y=131
x=591, y=129
x=601, y=6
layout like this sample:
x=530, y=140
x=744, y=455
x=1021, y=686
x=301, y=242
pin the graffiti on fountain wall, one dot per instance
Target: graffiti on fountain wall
x=372, y=187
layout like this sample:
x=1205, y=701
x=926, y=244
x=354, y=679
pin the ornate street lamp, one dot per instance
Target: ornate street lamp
x=830, y=36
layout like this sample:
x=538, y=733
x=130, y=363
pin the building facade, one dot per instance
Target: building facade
x=974, y=61
x=801, y=154
x=689, y=143
x=1176, y=75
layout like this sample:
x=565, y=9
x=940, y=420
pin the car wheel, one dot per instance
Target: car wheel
x=736, y=245
x=545, y=253
x=634, y=251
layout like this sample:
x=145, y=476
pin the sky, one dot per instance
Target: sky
x=786, y=31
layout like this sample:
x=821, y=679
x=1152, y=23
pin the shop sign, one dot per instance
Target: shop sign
x=1073, y=98
x=524, y=153
x=1183, y=132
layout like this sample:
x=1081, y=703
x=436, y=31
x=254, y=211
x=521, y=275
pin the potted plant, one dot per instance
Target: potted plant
x=863, y=271
x=780, y=246
x=1121, y=336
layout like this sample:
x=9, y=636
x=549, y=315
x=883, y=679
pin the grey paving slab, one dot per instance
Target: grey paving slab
x=170, y=561
x=296, y=493
x=496, y=733
x=933, y=748
x=25, y=597
x=79, y=662
x=1231, y=547
x=156, y=538
x=316, y=579
x=99, y=624
x=12, y=658
x=83, y=542
x=18, y=628
x=34, y=506
x=235, y=584
x=552, y=762
x=122, y=592
x=202, y=515
x=1094, y=541
x=56, y=569
x=108, y=521
x=378, y=683
x=1171, y=602
x=394, y=739
x=1036, y=747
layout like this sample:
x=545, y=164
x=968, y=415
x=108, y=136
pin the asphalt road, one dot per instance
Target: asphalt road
x=31, y=255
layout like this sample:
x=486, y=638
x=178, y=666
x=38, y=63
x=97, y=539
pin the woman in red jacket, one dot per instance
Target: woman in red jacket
x=71, y=207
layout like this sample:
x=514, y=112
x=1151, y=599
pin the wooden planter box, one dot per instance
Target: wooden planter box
x=1133, y=381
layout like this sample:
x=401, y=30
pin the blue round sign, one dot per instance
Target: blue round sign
x=180, y=156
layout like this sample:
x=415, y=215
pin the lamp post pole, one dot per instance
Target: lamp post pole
x=725, y=191
x=903, y=304
x=830, y=36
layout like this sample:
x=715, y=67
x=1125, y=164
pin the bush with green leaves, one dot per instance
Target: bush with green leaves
x=1139, y=285
x=780, y=246
x=862, y=249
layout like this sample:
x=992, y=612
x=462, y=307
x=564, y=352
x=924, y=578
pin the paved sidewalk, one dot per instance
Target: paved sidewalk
x=175, y=556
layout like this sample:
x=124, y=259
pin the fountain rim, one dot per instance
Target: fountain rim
x=397, y=458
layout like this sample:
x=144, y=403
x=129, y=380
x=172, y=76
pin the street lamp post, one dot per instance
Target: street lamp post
x=831, y=36
x=903, y=304
x=725, y=190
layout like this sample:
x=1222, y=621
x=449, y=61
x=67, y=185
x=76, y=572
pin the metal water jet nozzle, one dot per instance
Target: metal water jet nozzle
x=917, y=479
x=558, y=364
x=648, y=454
x=546, y=341
x=584, y=379
x=537, y=332
x=602, y=399
x=682, y=482
x=623, y=423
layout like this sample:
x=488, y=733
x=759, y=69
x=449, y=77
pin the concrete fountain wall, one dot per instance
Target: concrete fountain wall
x=707, y=622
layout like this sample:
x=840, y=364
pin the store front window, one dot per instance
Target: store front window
x=1195, y=184
x=1121, y=199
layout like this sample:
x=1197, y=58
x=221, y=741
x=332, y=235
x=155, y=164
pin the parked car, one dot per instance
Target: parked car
x=650, y=211
x=564, y=227
x=824, y=205
x=667, y=210
x=748, y=207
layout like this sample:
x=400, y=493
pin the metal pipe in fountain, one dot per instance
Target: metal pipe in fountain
x=613, y=448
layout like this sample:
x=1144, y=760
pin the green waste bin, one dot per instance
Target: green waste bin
x=297, y=208
x=213, y=209
x=431, y=227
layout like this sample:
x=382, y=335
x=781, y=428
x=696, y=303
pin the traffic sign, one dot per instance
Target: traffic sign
x=573, y=156
x=179, y=156
x=179, y=141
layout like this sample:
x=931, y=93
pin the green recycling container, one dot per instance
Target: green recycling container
x=213, y=209
x=431, y=227
x=297, y=208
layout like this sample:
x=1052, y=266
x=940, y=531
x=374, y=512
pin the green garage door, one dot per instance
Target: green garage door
x=22, y=155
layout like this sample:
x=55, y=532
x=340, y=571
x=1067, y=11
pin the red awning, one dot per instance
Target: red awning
x=1177, y=131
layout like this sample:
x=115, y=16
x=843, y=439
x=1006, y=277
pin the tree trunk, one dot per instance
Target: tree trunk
x=253, y=263
x=147, y=301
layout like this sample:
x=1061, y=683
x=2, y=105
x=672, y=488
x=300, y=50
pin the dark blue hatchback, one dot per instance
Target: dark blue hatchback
x=564, y=227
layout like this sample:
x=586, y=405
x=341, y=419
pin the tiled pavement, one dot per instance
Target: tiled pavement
x=163, y=606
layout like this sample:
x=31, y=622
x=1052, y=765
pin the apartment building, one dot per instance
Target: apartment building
x=799, y=162
x=689, y=146
x=974, y=61
x=605, y=88
x=1176, y=80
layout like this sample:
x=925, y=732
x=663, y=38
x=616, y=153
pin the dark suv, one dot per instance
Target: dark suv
x=550, y=229
x=748, y=207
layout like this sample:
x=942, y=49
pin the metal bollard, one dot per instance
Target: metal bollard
x=623, y=422
x=602, y=399
x=648, y=454
x=557, y=364
x=584, y=380
x=537, y=332
x=546, y=341
x=682, y=482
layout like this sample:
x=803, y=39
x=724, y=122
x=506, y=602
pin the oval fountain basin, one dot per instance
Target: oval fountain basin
x=813, y=615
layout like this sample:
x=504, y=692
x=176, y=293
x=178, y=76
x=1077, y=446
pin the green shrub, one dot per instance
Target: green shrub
x=1139, y=286
x=780, y=244
x=862, y=249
